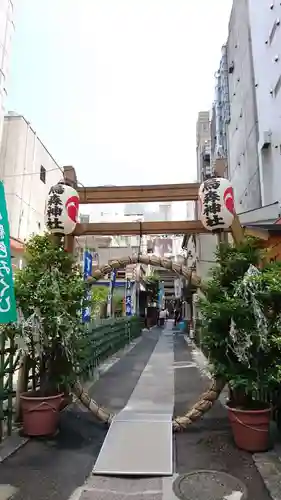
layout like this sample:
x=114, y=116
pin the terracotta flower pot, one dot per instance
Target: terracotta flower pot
x=250, y=428
x=40, y=414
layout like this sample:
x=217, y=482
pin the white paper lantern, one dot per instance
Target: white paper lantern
x=217, y=204
x=62, y=207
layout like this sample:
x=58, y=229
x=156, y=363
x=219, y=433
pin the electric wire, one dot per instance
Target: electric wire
x=30, y=173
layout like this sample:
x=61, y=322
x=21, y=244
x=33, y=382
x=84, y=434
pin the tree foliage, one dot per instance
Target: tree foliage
x=118, y=301
x=241, y=319
x=50, y=293
x=99, y=299
x=152, y=286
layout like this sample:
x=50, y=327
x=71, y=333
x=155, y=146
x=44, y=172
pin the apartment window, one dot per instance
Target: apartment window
x=277, y=87
x=43, y=174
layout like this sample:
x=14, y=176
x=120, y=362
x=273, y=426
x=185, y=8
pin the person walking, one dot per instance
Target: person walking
x=177, y=317
x=162, y=317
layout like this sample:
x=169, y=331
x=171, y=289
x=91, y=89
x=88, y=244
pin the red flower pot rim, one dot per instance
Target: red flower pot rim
x=240, y=410
x=24, y=395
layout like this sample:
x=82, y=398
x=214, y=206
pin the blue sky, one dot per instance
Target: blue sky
x=113, y=87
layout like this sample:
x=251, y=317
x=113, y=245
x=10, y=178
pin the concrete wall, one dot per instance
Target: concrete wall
x=206, y=245
x=243, y=129
x=203, y=137
x=22, y=155
x=106, y=254
x=201, y=254
x=221, y=110
x=266, y=45
x=7, y=29
x=202, y=247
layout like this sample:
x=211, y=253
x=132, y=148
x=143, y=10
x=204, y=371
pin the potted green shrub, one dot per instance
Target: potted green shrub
x=241, y=324
x=50, y=294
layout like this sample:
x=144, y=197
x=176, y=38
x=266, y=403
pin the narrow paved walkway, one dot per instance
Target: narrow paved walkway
x=141, y=382
x=145, y=424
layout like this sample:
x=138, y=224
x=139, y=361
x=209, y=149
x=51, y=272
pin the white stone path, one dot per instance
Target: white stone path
x=140, y=441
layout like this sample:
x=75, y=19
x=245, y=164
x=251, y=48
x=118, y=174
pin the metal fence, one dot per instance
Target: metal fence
x=106, y=339
x=103, y=340
x=9, y=365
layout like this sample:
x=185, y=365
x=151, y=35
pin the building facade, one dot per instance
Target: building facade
x=200, y=249
x=254, y=82
x=220, y=113
x=203, y=146
x=28, y=171
x=265, y=19
x=243, y=132
x=7, y=29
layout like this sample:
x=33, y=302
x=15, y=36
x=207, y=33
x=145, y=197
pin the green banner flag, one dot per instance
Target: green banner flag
x=8, y=309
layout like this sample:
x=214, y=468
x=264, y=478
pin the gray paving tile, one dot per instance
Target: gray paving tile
x=269, y=466
x=125, y=485
x=7, y=491
x=10, y=445
x=128, y=415
x=148, y=449
x=109, y=495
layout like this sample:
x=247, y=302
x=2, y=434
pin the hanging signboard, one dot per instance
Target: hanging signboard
x=88, y=267
x=128, y=300
x=178, y=288
x=8, y=309
x=161, y=296
x=110, y=292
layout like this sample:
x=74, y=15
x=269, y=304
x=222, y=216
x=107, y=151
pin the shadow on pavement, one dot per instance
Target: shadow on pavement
x=54, y=468
x=208, y=443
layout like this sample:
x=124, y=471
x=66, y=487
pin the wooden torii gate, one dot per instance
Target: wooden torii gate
x=138, y=194
x=135, y=194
